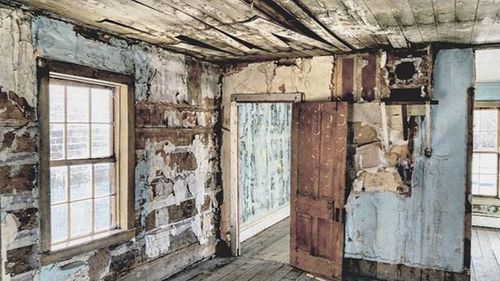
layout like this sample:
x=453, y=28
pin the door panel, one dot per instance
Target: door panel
x=304, y=233
x=309, y=137
x=319, y=133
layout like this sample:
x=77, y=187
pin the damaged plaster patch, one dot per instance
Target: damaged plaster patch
x=377, y=170
x=89, y=266
x=168, y=80
x=426, y=229
x=168, y=185
x=58, y=40
x=16, y=59
x=9, y=226
x=157, y=244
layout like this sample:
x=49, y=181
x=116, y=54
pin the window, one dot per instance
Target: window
x=82, y=160
x=485, y=152
x=86, y=158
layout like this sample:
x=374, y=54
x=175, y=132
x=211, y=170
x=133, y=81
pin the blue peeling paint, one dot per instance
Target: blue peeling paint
x=58, y=41
x=265, y=134
x=55, y=272
x=427, y=229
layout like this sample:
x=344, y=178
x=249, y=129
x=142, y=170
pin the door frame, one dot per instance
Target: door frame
x=234, y=190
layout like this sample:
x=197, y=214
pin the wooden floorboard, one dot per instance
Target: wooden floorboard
x=485, y=252
x=265, y=257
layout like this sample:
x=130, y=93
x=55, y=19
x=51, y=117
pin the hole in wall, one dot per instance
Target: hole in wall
x=405, y=70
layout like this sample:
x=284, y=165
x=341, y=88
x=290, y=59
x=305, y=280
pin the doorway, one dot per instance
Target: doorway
x=261, y=147
x=290, y=161
x=264, y=133
x=485, y=176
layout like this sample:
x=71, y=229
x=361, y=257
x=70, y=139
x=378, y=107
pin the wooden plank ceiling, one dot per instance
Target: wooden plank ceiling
x=220, y=30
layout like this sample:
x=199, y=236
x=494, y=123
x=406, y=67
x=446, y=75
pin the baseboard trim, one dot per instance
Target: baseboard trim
x=251, y=229
x=484, y=221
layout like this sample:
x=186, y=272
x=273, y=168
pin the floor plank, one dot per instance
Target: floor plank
x=266, y=255
x=485, y=252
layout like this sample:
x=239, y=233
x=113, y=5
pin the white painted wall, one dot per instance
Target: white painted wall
x=488, y=65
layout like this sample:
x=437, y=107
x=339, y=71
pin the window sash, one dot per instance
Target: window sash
x=489, y=151
x=124, y=157
x=69, y=162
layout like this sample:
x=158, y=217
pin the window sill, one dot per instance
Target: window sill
x=485, y=200
x=115, y=237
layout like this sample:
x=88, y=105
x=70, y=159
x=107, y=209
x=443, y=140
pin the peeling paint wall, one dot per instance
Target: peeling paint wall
x=426, y=229
x=18, y=146
x=264, y=145
x=177, y=158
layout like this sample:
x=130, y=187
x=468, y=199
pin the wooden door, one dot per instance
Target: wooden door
x=319, y=133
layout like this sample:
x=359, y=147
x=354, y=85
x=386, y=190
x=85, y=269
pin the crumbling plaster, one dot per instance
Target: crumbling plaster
x=426, y=228
x=176, y=175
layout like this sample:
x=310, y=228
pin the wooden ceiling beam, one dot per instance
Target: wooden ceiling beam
x=305, y=17
x=344, y=20
x=269, y=29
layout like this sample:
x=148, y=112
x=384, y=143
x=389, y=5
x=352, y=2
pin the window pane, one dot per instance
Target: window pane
x=78, y=141
x=101, y=140
x=103, y=174
x=59, y=223
x=81, y=218
x=477, y=120
x=58, y=180
x=56, y=141
x=78, y=104
x=487, y=184
x=101, y=105
x=80, y=182
x=488, y=163
x=475, y=162
x=488, y=120
x=56, y=103
x=486, y=141
x=103, y=213
x=475, y=184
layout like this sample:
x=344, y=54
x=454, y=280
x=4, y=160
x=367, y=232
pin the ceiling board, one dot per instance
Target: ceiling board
x=267, y=29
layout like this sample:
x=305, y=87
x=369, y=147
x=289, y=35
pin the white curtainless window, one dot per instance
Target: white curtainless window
x=86, y=159
x=82, y=160
x=485, y=152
